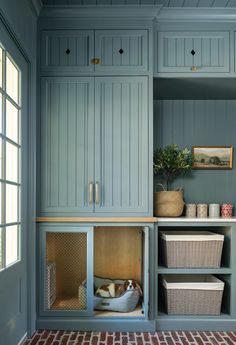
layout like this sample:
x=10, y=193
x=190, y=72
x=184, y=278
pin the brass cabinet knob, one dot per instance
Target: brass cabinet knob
x=194, y=68
x=95, y=61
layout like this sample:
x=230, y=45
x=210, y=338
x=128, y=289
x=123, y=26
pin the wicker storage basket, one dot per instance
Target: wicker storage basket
x=192, y=249
x=193, y=294
x=168, y=203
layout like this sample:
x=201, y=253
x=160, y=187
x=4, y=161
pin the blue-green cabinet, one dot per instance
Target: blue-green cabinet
x=67, y=50
x=74, y=258
x=121, y=50
x=94, y=51
x=192, y=52
x=94, y=149
x=121, y=145
x=67, y=144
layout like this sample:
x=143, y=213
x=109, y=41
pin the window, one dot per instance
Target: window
x=10, y=160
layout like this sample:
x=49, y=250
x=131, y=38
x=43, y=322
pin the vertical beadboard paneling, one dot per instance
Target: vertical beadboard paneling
x=53, y=139
x=211, y=51
x=67, y=157
x=199, y=122
x=63, y=147
x=121, y=162
x=55, y=44
x=134, y=44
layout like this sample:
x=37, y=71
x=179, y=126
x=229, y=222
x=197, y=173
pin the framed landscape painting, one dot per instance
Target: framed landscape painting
x=212, y=157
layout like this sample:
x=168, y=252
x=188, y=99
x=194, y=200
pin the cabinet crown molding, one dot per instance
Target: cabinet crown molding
x=101, y=11
x=36, y=6
x=198, y=14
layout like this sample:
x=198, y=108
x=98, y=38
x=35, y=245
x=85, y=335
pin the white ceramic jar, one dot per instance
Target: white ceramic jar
x=214, y=210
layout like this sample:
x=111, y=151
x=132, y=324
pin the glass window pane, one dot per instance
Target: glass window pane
x=11, y=122
x=0, y=113
x=0, y=67
x=11, y=162
x=1, y=221
x=11, y=244
x=12, y=80
x=11, y=203
x=1, y=263
x=1, y=161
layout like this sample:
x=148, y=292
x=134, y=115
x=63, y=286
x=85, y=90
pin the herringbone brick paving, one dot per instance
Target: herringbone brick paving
x=123, y=338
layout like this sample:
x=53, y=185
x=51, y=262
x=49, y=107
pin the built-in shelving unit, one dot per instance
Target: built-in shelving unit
x=225, y=272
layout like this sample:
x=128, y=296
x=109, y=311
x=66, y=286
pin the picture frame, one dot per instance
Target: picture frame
x=212, y=157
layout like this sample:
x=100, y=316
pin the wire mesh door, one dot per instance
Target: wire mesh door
x=68, y=271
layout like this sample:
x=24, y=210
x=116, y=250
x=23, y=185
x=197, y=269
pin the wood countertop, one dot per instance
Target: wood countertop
x=132, y=220
x=97, y=219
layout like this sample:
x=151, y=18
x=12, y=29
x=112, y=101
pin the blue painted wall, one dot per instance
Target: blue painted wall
x=182, y=117
x=21, y=21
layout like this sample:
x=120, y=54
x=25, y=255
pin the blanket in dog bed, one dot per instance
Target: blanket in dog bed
x=125, y=303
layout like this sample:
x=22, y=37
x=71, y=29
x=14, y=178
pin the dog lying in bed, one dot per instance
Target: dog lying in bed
x=116, y=290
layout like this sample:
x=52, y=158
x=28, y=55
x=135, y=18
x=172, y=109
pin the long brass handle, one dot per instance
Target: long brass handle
x=90, y=192
x=97, y=193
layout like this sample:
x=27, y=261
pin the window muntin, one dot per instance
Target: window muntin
x=10, y=157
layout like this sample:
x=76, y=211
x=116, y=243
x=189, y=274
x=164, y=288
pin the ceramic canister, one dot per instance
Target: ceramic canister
x=214, y=210
x=202, y=210
x=191, y=210
x=226, y=210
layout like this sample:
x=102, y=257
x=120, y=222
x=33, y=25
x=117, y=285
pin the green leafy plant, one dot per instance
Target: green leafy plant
x=170, y=162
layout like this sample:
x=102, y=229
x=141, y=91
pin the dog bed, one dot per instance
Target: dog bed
x=127, y=302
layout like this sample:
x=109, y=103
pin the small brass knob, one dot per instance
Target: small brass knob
x=95, y=61
x=194, y=68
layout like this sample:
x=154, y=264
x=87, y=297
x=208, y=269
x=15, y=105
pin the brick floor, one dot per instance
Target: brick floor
x=129, y=338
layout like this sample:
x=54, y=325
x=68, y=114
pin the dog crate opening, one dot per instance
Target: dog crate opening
x=119, y=276
x=119, y=258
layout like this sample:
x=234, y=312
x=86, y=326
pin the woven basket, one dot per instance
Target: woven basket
x=192, y=254
x=193, y=300
x=168, y=203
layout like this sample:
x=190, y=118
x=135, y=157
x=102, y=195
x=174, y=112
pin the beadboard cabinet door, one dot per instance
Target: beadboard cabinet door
x=192, y=52
x=67, y=144
x=121, y=51
x=121, y=145
x=67, y=51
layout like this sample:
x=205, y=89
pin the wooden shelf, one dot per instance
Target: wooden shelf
x=96, y=220
x=166, y=270
x=163, y=315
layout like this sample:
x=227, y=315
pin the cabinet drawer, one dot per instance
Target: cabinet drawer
x=193, y=52
x=121, y=50
x=67, y=50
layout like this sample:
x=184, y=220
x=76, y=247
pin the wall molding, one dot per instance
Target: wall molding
x=36, y=6
x=23, y=339
x=146, y=12
x=196, y=14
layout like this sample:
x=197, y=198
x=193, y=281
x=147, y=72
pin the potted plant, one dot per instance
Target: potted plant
x=170, y=162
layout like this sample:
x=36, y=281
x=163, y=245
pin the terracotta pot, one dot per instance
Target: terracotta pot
x=168, y=203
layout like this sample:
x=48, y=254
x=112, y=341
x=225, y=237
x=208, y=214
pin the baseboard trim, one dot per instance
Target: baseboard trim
x=21, y=342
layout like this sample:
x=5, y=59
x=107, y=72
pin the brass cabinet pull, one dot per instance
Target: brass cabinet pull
x=194, y=68
x=95, y=61
x=90, y=192
x=97, y=193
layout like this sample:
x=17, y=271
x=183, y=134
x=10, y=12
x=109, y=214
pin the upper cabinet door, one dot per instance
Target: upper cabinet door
x=67, y=145
x=67, y=50
x=193, y=52
x=121, y=145
x=121, y=51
